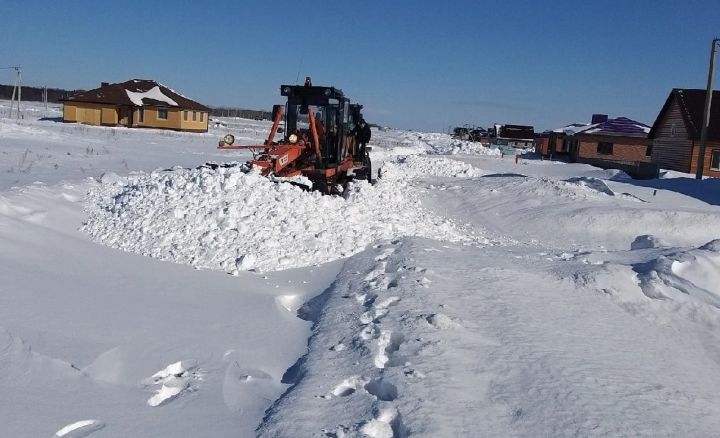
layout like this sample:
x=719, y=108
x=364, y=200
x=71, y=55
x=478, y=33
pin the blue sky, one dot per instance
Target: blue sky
x=413, y=64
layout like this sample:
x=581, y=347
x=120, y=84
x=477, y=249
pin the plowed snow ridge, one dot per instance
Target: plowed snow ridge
x=231, y=220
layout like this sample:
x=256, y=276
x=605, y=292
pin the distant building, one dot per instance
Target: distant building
x=618, y=143
x=558, y=142
x=137, y=103
x=517, y=136
x=476, y=134
x=675, y=135
x=618, y=139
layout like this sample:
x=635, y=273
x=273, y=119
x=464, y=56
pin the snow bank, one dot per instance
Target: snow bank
x=232, y=220
x=444, y=144
x=412, y=143
x=421, y=166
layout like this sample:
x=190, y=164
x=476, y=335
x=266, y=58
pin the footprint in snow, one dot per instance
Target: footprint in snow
x=378, y=271
x=382, y=389
x=340, y=346
x=368, y=332
x=373, y=315
x=348, y=386
x=441, y=321
x=378, y=310
x=387, y=346
x=386, y=424
x=385, y=254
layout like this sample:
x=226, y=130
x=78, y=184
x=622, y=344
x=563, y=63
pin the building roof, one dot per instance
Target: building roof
x=137, y=92
x=571, y=128
x=518, y=132
x=620, y=126
x=692, y=106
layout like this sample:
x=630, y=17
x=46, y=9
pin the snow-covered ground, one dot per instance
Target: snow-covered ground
x=461, y=295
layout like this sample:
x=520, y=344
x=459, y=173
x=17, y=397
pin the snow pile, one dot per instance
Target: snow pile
x=422, y=166
x=444, y=144
x=462, y=147
x=591, y=184
x=154, y=93
x=412, y=143
x=692, y=275
x=580, y=187
x=232, y=220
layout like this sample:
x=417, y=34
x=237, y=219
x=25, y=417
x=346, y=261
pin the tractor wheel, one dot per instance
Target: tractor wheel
x=320, y=186
x=326, y=186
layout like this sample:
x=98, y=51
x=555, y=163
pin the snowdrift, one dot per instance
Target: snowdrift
x=666, y=284
x=684, y=275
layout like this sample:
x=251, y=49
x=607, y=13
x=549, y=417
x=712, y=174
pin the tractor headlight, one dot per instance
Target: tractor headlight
x=229, y=139
x=293, y=138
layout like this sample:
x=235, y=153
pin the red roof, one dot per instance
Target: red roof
x=117, y=94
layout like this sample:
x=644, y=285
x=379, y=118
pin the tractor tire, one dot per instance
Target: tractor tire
x=327, y=187
x=320, y=186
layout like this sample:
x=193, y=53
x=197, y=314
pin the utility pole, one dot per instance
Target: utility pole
x=706, y=112
x=17, y=89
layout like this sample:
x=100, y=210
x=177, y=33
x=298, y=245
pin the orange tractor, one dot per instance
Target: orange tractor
x=318, y=139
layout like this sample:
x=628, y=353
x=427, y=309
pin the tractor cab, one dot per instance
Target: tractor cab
x=318, y=139
x=331, y=114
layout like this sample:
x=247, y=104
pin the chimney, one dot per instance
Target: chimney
x=104, y=84
x=599, y=118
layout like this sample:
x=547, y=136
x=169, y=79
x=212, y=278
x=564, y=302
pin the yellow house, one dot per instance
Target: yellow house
x=137, y=103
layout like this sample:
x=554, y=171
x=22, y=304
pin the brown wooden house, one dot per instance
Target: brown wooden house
x=675, y=134
x=137, y=103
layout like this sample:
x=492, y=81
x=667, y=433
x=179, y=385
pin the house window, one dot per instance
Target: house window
x=185, y=115
x=672, y=130
x=565, y=145
x=202, y=117
x=715, y=159
x=141, y=115
x=194, y=116
x=648, y=151
x=162, y=113
x=604, y=148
